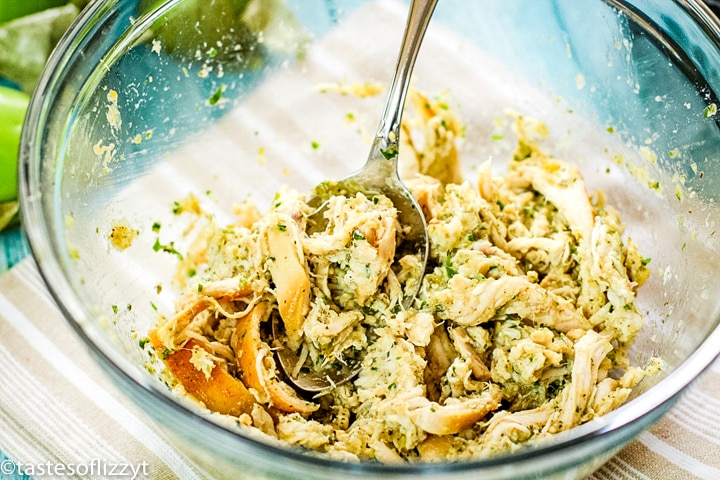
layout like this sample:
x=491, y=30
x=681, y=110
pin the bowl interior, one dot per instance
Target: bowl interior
x=164, y=103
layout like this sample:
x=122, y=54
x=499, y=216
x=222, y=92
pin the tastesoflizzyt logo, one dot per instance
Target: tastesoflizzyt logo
x=95, y=468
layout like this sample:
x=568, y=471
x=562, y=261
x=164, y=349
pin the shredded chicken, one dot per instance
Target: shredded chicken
x=520, y=329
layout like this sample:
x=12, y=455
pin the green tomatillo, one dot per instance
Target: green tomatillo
x=13, y=105
x=11, y=9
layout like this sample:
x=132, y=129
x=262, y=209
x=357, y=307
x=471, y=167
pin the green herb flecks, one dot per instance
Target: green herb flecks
x=169, y=248
x=710, y=110
x=390, y=152
x=216, y=97
x=449, y=268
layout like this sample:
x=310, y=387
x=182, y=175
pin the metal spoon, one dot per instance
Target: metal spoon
x=379, y=175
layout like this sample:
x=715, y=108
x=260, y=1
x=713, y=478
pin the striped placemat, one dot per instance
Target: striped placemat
x=59, y=415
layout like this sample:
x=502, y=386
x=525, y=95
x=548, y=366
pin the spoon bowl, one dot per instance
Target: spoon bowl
x=379, y=175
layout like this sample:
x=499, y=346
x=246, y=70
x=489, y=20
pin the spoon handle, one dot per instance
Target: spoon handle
x=387, y=137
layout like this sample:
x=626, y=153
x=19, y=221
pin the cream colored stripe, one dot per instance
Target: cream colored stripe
x=27, y=270
x=114, y=409
x=618, y=469
x=701, y=421
x=13, y=440
x=27, y=399
x=29, y=406
x=685, y=462
x=652, y=463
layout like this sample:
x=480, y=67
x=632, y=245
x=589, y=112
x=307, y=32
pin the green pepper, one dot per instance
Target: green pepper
x=13, y=105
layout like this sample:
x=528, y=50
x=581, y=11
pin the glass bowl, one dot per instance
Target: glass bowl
x=144, y=102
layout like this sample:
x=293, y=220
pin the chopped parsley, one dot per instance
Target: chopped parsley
x=449, y=269
x=390, y=152
x=170, y=248
x=217, y=96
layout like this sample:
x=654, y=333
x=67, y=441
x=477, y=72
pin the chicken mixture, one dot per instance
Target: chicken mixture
x=519, y=330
